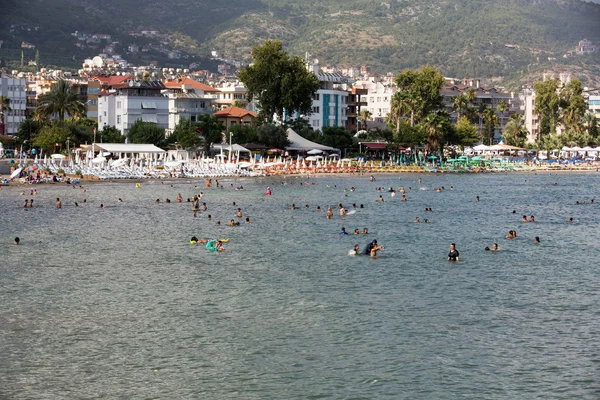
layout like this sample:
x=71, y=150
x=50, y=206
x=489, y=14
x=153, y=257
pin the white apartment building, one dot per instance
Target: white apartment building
x=132, y=101
x=15, y=90
x=594, y=105
x=330, y=103
x=229, y=93
x=378, y=98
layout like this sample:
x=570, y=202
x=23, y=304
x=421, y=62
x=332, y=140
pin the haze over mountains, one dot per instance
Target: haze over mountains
x=501, y=38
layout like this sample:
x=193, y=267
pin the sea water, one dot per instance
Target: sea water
x=115, y=303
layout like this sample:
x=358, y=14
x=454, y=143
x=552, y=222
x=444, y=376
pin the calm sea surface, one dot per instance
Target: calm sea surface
x=115, y=303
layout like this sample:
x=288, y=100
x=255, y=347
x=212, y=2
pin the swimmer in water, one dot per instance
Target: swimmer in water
x=356, y=231
x=417, y=220
x=319, y=208
x=329, y=213
x=365, y=231
x=179, y=198
x=374, y=249
x=495, y=247
x=453, y=255
x=537, y=240
x=294, y=206
x=524, y=219
x=531, y=219
x=570, y=219
x=58, y=203
x=195, y=240
x=157, y=201
x=18, y=241
x=342, y=210
x=426, y=221
x=233, y=223
x=380, y=199
x=239, y=213
x=477, y=198
x=343, y=231
x=247, y=220
x=355, y=250
x=511, y=235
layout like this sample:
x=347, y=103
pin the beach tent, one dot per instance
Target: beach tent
x=298, y=143
x=481, y=147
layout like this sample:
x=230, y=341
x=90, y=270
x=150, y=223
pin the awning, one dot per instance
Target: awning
x=297, y=142
x=115, y=148
x=234, y=148
x=150, y=118
x=150, y=105
x=374, y=145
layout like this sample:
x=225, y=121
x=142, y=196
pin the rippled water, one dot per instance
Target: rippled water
x=115, y=303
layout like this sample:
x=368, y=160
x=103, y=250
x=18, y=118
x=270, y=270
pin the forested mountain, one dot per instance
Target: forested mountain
x=461, y=37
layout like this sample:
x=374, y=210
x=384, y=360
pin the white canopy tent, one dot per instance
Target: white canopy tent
x=297, y=142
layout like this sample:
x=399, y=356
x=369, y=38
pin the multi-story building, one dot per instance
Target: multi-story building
x=14, y=89
x=585, y=47
x=130, y=101
x=379, y=97
x=489, y=97
x=188, y=99
x=356, y=101
x=229, y=93
x=594, y=105
x=532, y=121
x=330, y=103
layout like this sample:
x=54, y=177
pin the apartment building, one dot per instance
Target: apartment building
x=14, y=89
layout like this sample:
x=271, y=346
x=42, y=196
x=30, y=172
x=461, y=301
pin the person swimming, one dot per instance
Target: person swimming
x=365, y=231
x=417, y=219
x=343, y=231
x=355, y=250
x=453, y=255
x=380, y=199
x=374, y=249
x=239, y=213
x=329, y=213
x=17, y=241
x=495, y=247
x=532, y=219
x=570, y=219
x=367, y=250
x=268, y=192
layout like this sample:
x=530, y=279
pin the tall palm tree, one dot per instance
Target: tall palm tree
x=502, y=108
x=400, y=107
x=61, y=100
x=481, y=111
x=365, y=115
x=4, y=106
x=459, y=104
x=433, y=127
x=514, y=132
x=471, y=94
x=491, y=121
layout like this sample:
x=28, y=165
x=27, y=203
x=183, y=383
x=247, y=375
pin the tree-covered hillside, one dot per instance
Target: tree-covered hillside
x=461, y=37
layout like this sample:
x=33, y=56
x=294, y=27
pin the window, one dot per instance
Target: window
x=93, y=90
x=331, y=110
x=119, y=104
x=317, y=96
x=193, y=118
x=385, y=99
x=202, y=104
x=372, y=99
x=105, y=113
x=232, y=123
x=315, y=122
x=118, y=119
x=378, y=99
x=315, y=110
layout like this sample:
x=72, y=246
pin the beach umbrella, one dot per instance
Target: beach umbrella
x=314, y=151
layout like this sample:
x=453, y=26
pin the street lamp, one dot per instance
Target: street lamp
x=230, y=138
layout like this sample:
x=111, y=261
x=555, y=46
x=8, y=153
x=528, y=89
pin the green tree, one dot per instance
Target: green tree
x=337, y=136
x=436, y=128
x=514, y=132
x=146, y=133
x=547, y=106
x=421, y=89
x=400, y=107
x=572, y=105
x=364, y=116
x=186, y=134
x=490, y=120
x=591, y=125
x=4, y=106
x=244, y=134
x=465, y=133
x=61, y=100
x=460, y=104
x=51, y=136
x=279, y=82
x=110, y=134
x=211, y=130
x=502, y=109
x=28, y=129
x=273, y=136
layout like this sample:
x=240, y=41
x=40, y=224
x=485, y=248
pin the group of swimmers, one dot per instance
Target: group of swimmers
x=365, y=231
x=371, y=249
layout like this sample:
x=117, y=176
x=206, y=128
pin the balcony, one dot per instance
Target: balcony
x=358, y=103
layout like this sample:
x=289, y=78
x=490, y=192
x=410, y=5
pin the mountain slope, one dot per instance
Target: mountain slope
x=462, y=37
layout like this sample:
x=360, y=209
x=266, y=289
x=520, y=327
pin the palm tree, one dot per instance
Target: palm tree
x=481, y=111
x=4, y=106
x=61, y=100
x=491, y=121
x=502, y=107
x=365, y=115
x=433, y=126
x=471, y=94
x=459, y=104
x=400, y=107
x=514, y=132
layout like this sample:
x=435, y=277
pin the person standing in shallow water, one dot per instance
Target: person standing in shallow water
x=453, y=254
